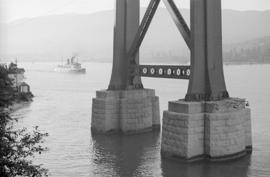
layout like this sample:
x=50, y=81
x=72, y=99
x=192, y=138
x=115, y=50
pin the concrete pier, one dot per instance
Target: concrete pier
x=127, y=111
x=215, y=130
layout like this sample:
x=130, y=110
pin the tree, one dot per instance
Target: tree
x=6, y=90
x=17, y=147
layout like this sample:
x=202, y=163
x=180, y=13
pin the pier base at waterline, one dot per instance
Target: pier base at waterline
x=215, y=130
x=126, y=111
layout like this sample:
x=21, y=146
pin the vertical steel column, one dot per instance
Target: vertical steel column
x=217, y=86
x=207, y=79
x=127, y=21
x=135, y=80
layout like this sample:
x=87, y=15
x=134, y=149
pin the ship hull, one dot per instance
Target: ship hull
x=68, y=70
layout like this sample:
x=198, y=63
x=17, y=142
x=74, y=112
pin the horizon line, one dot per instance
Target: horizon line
x=108, y=10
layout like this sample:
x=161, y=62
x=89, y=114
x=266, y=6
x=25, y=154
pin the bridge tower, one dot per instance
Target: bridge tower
x=125, y=107
x=207, y=123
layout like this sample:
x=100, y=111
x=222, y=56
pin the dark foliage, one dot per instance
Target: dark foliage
x=6, y=90
x=17, y=147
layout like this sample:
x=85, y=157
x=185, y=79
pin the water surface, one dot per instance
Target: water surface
x=62, y=107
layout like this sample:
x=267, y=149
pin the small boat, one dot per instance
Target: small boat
x=71, y=66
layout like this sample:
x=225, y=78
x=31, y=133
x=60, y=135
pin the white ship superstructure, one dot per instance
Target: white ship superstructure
x=71, y=66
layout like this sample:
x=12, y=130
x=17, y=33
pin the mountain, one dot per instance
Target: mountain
x=252, y=51
x=91, y=36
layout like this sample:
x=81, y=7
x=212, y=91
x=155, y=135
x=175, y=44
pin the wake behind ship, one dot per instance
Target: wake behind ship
x=71, y=66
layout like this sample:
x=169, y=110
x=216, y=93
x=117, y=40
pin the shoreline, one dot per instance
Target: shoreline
x=244, y=63
x=17, y=105
x=153, y=62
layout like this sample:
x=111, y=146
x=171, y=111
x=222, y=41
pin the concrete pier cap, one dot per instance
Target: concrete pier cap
x=214, y=130
x=125, y=111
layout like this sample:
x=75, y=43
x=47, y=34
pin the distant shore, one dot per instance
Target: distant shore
x=153, y=62
x=246, y=63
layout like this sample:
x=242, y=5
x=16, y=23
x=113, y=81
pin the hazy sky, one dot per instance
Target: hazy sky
x=15, y=9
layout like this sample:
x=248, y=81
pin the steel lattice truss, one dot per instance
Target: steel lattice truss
x=174, y=72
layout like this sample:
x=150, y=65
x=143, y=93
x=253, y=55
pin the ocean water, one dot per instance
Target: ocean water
x=62, y=107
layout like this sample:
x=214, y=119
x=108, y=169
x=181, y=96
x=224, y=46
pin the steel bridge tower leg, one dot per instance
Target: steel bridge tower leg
x=207, y=124
x=125, y=107
x=207, y=79
x=127, y=19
